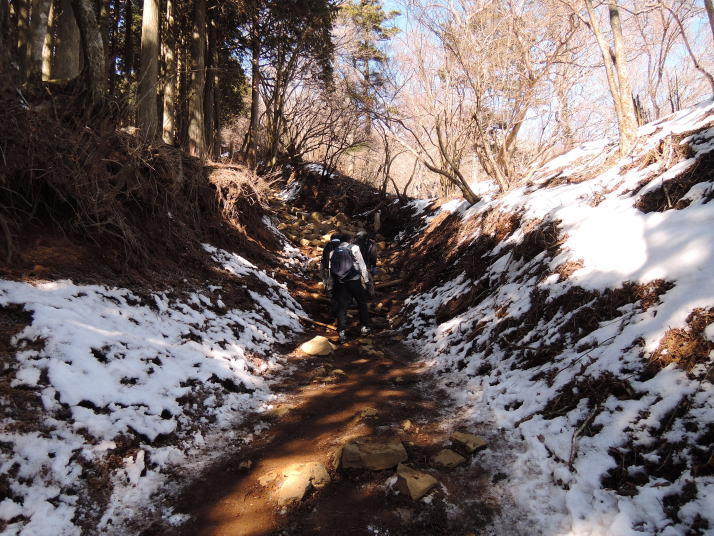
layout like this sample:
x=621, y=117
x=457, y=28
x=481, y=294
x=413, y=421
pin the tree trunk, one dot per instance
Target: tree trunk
x=4, y=36
x=147, y=112
x=128, y=37
x=209, y=100
x=196, y=128
x=67, y=62
x=38, y=30
x=169, y=45
x=24, y=37
x=92, y=49
x=113, y=30
x=252, y=153
x=628, y=121
x=612, y=82
x=710, y=14
x=48, y=46
x=182, y=105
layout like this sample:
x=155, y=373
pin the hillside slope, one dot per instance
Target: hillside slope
x=574, y=315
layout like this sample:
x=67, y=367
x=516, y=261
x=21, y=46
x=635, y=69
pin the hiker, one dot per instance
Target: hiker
x=368, y=248
x=335, y=240
x=349, y=279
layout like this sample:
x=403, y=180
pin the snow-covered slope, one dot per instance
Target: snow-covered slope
x=575, y=316
x=125, y=387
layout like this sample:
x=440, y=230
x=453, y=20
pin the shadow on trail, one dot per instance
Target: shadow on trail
x=324, y=408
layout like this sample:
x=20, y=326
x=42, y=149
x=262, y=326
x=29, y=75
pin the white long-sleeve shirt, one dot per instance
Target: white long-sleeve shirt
x=359, y=260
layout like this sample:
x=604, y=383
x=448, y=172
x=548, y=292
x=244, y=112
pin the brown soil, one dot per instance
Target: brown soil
x=327, y=401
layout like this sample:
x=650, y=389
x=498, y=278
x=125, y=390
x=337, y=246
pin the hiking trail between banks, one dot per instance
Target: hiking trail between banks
x=360, y=442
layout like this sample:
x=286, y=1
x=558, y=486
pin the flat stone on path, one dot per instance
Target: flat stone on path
x=299, y=479
x=317, y=346
x=447, y=458
x=469, y=441
x=373, y=452
x=414, y=483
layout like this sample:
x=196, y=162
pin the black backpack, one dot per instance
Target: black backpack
x=369, y=251
x=342, y=263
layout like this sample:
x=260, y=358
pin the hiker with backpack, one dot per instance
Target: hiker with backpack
x=368, y=248
x=335, y=240
x=350, y=279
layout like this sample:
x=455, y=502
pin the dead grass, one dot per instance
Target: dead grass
x=671, y=151
x=139, y=203
x=686, y=347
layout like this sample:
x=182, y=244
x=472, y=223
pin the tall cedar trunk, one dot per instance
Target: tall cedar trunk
x=196, y=139
x=169, y=46
x=182, y=111
x=92, y=49
x=40, y=13
x=4, y=36
x=113, y=16
x=628, y=122
x=147, y=112
x=252, y=152
x=48, y=46
x=217, y=96
x=128, y=37
x=24, y=38
x=67, y=62
x=210, y=89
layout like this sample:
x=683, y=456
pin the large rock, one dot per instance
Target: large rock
x=470, y=442
x=372, y=452
x=414, y=483
x=447, y=458
x=318, y=346
x=299, y=479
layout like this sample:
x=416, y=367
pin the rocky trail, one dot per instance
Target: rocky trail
x=359, y=442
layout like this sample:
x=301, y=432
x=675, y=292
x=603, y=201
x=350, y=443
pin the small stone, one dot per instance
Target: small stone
x=304, y=242
x=299, y=479
x=447, y=458
x=318, y=346
x=342, y=218
x=245, y=464
x=414, y=483
x=316, y=217
x=268, y=478
x=279, y=411
x=372, y=452
x=336, y=375
x=368, y=412
x=406, y=425
x=470, y=442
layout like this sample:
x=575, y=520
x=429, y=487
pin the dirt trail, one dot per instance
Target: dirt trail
x=368, y=386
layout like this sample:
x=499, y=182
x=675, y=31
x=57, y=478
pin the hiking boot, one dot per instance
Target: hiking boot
x=366, y=330
x=343, y=336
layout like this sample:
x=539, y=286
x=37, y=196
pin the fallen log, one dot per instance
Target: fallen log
x=316, y=323
x=387, y=284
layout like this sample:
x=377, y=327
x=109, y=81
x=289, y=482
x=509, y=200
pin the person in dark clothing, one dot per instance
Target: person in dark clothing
x=368, y=248
x=349, y=279
x=335, y=240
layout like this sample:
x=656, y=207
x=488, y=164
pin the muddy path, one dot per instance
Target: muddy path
x=370, y=386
